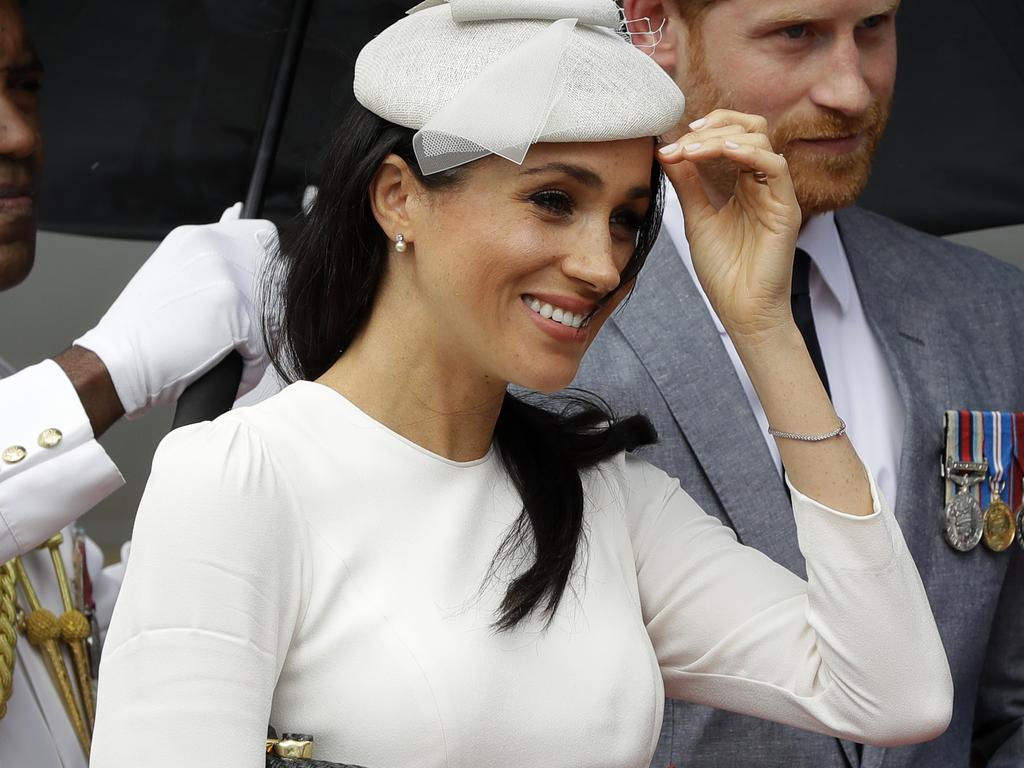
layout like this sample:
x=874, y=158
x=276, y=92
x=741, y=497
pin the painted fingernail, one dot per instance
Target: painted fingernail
x=731, y=145
x=668, y=149
x=694, y=147
x=696, y=125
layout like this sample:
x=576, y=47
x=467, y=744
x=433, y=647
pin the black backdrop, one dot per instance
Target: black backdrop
x=152, y=109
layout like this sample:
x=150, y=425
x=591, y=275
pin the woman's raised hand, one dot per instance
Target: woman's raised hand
x=742, y=250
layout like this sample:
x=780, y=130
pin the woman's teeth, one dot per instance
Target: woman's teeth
x=559, y=315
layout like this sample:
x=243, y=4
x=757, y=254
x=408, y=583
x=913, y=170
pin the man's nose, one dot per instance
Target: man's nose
x=19, y=132
x=591, y=260
x=841, y=85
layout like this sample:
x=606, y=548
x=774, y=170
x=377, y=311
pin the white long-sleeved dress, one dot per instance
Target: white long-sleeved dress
x=299, y=564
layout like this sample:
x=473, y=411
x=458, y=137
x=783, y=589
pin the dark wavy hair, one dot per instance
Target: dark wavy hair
x=331, y=265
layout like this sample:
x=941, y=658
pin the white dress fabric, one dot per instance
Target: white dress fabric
x=297, y=563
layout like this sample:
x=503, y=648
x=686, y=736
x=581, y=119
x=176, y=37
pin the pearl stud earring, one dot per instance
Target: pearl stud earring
x=400, y=244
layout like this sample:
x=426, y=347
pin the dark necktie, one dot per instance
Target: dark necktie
x=801, y=303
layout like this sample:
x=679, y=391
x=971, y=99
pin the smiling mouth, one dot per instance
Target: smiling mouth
x=557, y=314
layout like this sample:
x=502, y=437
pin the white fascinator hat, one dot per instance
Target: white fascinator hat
x=481, y=77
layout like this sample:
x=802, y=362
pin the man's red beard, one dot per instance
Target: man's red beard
x=823, y=182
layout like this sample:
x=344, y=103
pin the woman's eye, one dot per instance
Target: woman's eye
x=795, y=32
x=553, y=201
x=628, y=223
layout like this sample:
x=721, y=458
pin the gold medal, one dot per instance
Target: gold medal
x=1000, y=526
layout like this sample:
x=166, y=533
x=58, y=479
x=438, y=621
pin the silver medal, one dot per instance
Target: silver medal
x=963, y=521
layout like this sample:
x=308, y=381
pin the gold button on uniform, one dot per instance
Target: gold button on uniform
x=50, y=438
x=14, y=454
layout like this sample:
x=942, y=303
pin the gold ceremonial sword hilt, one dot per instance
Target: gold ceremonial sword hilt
x=43, y=631
x=75, y=629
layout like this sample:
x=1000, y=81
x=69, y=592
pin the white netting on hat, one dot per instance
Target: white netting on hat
x=481, y=87
x=479, y=122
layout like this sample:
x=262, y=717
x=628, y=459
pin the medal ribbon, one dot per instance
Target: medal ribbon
x=952, y=447
x=998, y=450
x=972, y=448
x=1016, y=480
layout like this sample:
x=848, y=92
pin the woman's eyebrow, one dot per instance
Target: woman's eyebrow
x=583, y=175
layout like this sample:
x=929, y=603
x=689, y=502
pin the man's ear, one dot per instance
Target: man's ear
x=392, y=198
x=664, y=47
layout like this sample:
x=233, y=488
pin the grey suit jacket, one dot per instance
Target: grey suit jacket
x=951, y=324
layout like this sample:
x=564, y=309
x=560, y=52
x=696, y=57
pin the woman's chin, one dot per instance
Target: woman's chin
x=547, y=382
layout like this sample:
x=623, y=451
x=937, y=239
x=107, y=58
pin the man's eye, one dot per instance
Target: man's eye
x=27, y=85
x=873, y=22
x=795, y=32
x=553, y=201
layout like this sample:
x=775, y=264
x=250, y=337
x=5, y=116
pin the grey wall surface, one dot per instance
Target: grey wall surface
x=75, y=278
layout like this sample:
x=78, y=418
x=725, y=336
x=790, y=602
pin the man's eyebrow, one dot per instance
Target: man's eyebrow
x=799, y=16
x=29, y=62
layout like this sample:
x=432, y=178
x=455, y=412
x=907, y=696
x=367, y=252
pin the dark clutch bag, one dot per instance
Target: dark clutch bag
x=274, y=761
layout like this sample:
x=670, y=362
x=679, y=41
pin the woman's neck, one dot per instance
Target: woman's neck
x=402, y=382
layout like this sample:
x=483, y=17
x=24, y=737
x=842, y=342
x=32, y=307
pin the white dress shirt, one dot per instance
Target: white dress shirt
x=863, y=390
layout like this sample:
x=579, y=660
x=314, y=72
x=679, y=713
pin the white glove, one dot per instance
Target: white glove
x=188, y=306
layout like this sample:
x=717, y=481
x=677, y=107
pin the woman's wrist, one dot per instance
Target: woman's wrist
x=768, y=340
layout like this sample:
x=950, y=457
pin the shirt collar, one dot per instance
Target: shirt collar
x=819, y=237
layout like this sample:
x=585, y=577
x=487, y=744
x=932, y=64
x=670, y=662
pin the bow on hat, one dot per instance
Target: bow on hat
x=505, y=109
x=591, y=13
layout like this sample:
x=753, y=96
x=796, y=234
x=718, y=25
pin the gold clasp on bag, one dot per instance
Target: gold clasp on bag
x=291, y=745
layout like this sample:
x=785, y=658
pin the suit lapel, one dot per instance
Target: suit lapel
x=668, y=326
x=908, y=331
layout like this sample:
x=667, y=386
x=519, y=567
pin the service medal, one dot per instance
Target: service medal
x=963, y=521
x=999, y=527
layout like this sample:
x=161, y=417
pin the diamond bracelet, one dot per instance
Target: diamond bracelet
x=841, y=430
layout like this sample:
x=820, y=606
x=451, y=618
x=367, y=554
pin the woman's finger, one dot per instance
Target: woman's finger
x=719, y=117
x=689, y=187
x=753, y=156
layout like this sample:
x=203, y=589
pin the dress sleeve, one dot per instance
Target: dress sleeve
x=46, y=484
x=213, y=591
x=852, y=652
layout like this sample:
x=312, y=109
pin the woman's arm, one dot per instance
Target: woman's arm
x=211, y=598
x=743, y=254
x=852, y=652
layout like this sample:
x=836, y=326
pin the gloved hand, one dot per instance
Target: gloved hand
x=189, y=305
